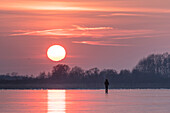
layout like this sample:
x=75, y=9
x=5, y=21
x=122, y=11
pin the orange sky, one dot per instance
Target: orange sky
x=95, y=33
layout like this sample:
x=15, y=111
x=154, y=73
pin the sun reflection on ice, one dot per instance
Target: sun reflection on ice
x=56, y=101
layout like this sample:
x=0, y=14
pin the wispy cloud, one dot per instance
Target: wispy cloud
x=100, y=36
x=64, y=5
x=41, y=32
x=91, y=28
x=79, y=31
x=100, y=43
x=76, y=31
x=123, y=14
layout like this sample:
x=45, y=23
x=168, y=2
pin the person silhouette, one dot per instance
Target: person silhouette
x=106, y=83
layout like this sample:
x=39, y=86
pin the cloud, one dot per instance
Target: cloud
x=76, y=31
x=123, y=14
x=106, y=6
x=79, y=31
x=41, y=32
x=50, y=32
x=91, y=28
x=100, y=36
x=99, y=43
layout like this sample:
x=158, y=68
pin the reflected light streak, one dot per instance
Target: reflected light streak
x=56, y=101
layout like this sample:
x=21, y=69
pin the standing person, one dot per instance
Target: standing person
x=106, y=83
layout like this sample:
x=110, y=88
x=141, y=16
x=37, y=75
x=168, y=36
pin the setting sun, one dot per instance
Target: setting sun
x=56, y=53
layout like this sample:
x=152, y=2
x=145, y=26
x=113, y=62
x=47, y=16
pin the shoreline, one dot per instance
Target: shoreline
x=85, y=86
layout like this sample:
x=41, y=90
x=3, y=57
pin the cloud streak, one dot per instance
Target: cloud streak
x=91, y=28
x=99, y=36
x=109, y=6
x=40, y=32
x=77, y=31
x=123, y=14
x=99, y=43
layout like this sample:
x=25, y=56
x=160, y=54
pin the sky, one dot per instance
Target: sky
x=111, y=34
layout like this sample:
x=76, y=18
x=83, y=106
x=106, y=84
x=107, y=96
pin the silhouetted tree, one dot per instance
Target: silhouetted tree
x=60, y=72
x=76, y=74
x=155, y=65
x=42, y=75
x=92, y=74
x=109, y=74
x=124, y=72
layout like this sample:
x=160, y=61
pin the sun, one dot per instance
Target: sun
x=56, y=53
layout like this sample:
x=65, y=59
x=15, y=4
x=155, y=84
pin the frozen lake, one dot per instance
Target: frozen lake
x=85, y=101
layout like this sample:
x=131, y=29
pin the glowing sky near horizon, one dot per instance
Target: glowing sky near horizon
x=105, y=34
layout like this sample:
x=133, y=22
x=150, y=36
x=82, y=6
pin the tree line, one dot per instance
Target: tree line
x=155, y=68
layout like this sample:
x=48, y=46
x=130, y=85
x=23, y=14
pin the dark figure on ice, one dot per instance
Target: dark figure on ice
x=106, y=83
